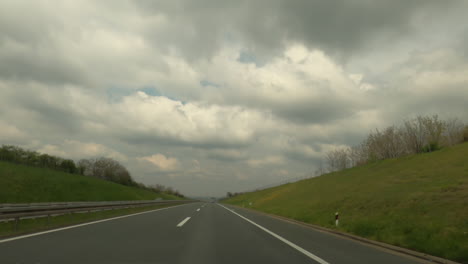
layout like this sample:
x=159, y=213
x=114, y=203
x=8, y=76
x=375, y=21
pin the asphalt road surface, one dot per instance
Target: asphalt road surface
x=192, y=233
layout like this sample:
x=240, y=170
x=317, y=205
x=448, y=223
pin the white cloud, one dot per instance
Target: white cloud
x=78, y=150
x=269, y=160
x=10, y=133
x=162, y=162
x=186, y=122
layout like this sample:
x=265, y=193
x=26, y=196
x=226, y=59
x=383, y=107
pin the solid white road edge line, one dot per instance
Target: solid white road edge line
x=84, y=224
x=183, y=222
x=289, y=243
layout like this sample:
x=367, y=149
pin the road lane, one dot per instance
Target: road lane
x=280, y=238
x=215, y=235
x=209, y=235
x=183, y=222
x=332, y=248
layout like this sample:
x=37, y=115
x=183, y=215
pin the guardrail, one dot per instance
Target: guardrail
x=15, y=212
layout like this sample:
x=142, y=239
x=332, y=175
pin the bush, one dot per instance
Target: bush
x=431, y=147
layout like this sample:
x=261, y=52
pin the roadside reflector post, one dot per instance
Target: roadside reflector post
x=337, y=218
x=16, y=223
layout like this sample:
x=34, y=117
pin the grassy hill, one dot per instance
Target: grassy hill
x=25, y=184
x=418, y=202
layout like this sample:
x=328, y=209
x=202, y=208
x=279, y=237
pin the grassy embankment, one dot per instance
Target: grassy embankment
x=25, y=184
x=418, y=202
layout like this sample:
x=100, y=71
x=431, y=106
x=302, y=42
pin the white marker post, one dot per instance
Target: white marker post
x=337, y=216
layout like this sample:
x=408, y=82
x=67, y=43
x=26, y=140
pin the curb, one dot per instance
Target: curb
x=421, y=256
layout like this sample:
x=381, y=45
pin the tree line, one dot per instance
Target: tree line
x=103, y=168
x=418, y=135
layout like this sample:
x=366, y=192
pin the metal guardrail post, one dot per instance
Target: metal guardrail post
x=16, y=223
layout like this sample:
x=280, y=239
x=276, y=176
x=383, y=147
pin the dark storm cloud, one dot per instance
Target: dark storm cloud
x=153, y=139
x=339, y=27
x=48, y=110
x=31, y=23
x=327, y=110
x=39, y=65
x=30, y=48
x=226, y=155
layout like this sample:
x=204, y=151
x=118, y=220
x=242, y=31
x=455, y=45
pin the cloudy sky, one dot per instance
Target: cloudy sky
x=214, y=96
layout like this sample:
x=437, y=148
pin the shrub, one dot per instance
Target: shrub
x=431, y=147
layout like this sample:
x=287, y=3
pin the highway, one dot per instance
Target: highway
x=192, y=233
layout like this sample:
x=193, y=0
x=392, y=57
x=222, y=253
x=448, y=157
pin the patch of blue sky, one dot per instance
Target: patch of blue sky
x=151, y=90
x=245, y=57
x=206, y=83
x=116, y=93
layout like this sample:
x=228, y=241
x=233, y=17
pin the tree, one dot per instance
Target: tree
x=6, y=153
x=159, y=188
x=106, y=169
x=84, y=167
x=68, y=165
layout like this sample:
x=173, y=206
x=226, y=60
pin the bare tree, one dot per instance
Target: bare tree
x=337, y=159
x=453, y=133
x=320, y=170
x=421, y=134
x=358, y=155
x=433, y=128
x=387, y=144
x=414, y=135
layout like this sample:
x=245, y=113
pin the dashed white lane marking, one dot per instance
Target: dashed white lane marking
x=198, y=209
x=85, y=224
x=183, y=222
x=284, y=240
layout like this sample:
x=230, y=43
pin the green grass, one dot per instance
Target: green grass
x=418, y=202
x=25, y=226
x=25, y=184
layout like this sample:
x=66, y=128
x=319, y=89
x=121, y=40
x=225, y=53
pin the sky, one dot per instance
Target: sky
x=212, y=96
